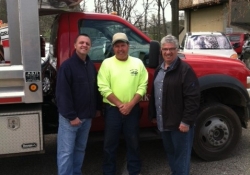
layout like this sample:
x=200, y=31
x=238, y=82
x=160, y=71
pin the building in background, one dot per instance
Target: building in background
x=215, y=15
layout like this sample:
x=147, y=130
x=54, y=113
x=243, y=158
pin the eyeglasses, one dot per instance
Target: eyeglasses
x=169, y=49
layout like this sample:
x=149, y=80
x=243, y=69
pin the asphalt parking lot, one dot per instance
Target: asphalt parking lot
x=152, y=154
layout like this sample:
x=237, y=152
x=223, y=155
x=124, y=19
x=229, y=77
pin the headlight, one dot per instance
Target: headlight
x=234, y=56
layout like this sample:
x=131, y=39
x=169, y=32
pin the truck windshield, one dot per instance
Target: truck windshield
x=101, y=32
x=208, y=42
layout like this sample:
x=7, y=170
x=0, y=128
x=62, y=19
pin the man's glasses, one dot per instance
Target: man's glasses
x=169, y=49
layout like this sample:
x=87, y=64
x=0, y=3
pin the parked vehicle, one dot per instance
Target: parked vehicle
x=246, y=53
x=237, y=40
x=27, y=112
x=209, y=43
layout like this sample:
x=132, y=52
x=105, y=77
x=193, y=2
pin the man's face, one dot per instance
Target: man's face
x=169, y=52
x=121, y=50
x=82, y=45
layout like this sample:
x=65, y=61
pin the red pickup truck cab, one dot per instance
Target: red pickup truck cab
x=224, y=82
x=237, y=40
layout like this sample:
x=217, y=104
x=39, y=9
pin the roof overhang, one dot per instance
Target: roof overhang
x=243, y=25
x=194, y=4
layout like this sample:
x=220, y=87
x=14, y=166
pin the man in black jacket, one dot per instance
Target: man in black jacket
x=78, y=101
x=174, y=105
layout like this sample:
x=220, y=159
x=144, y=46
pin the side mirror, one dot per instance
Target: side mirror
x=154, y=54
x=236, y=45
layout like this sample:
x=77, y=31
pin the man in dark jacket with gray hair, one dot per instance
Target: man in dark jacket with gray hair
x=174, y=105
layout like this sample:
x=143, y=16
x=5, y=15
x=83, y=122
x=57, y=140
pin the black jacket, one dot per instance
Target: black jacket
x=180, y=98
x=76, y=89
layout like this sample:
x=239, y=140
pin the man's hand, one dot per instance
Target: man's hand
x=183, y=128
x=154, y=120
x=125, y=108
x=75, y=122
x=98, y=114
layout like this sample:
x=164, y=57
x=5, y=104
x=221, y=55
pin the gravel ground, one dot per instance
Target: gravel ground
x=152, y=154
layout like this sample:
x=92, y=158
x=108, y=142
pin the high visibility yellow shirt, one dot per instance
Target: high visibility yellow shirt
x=122, y=78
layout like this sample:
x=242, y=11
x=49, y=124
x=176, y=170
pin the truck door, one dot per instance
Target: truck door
x=101, y=33
x=100, y=28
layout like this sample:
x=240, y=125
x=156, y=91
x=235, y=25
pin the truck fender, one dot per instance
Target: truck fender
x=218, y=80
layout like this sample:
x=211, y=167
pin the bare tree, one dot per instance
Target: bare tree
x=163, y=6
x=99, y=6
x=140, y=16
x=3, y=12
x=158, y=19
x=123, y=8
x=45, y=23
x=153, y=27
x=146, y=4
x=161, y=18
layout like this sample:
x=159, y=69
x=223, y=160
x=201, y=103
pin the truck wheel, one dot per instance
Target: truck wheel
x=218, y=130
x=46, y=83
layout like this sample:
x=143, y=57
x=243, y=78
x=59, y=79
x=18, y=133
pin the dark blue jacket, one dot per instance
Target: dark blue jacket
x=76, y=89
x=180, y=96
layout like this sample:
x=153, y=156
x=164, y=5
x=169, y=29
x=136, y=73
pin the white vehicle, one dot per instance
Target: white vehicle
x=209, y=43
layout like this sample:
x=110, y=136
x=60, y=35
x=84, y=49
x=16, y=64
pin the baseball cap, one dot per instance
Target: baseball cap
x=120, y=37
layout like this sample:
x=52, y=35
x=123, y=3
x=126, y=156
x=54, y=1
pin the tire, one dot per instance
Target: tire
x=218, y=130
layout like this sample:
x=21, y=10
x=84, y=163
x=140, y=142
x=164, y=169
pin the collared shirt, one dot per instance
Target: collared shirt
x=158, y=86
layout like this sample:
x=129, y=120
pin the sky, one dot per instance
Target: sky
x=90, y=8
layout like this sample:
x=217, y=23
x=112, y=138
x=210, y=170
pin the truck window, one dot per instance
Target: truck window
x=101, y=32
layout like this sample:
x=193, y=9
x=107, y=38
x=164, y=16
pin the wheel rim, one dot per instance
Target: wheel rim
x=214, y=132
x=46, y=84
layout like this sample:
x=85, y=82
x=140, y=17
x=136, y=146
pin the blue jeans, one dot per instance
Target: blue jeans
x=71, y=144
x=178, y=147
x=115, y=123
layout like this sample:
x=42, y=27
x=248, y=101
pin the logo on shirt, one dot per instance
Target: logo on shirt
x=134, y=72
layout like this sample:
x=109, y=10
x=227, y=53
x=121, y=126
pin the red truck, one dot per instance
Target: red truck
x=237, y=40
x=27, y=88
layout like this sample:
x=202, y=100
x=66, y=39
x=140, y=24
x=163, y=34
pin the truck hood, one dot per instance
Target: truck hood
x=208, y=64
x=227, y=53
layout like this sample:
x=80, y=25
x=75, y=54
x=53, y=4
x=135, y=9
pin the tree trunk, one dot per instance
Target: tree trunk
x=159, y=20
x=175, y=18
x=3, y=12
